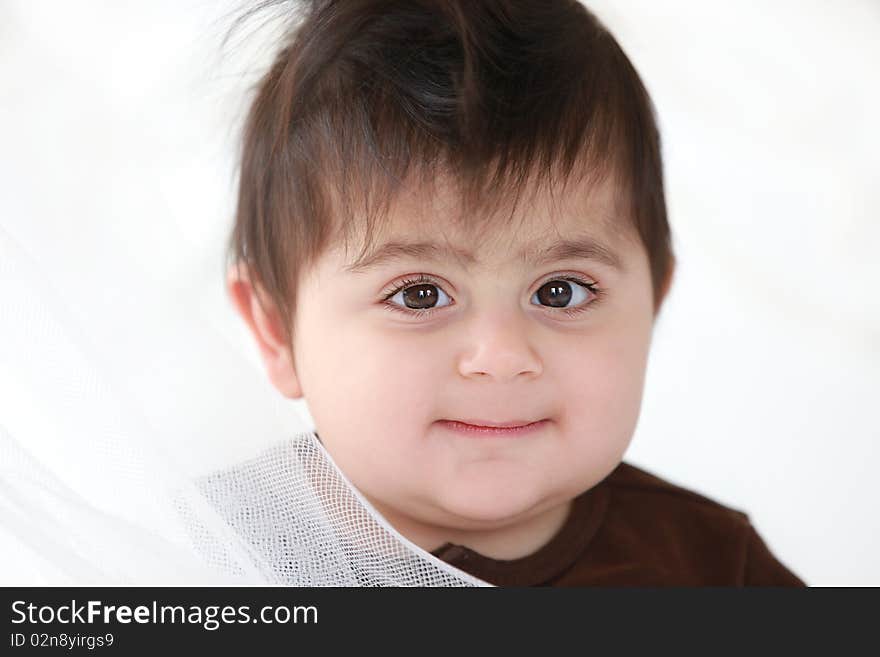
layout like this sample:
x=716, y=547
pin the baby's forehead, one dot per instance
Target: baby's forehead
x=577, y=241
x=429, y=222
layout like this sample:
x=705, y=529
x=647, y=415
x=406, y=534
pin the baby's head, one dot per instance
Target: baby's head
x=454, y=210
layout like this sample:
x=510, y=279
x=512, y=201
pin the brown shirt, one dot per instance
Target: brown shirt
x=636, y=529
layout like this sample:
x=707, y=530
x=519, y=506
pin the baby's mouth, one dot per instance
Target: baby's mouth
x=495, y=425
x=489, y=428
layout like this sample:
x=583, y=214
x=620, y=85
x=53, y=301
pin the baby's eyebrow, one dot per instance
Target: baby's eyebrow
x=583, y=247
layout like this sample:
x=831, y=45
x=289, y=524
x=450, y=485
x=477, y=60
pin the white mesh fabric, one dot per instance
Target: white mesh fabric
x=89, y=496
x=331, y=534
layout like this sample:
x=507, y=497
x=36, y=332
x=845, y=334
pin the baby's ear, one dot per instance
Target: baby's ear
x=264, y=322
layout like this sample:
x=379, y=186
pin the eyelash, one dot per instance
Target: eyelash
x=422, y=279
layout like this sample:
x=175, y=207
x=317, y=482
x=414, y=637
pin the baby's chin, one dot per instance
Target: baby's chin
x=487, y=505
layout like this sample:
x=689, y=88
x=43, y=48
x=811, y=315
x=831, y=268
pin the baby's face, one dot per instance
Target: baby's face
x=497, y=346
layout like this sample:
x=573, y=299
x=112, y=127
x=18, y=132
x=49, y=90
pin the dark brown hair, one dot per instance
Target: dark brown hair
x=365, y=96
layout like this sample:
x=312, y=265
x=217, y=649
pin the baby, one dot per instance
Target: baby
x=451, y=240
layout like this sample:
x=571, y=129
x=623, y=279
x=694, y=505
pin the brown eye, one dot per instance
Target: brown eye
x=555, y=293
x=558, y=293
x=420, y=297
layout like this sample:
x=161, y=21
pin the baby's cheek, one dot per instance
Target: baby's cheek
x=371, y=399
x=606, y=396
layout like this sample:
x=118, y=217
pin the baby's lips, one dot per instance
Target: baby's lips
x=508, y=424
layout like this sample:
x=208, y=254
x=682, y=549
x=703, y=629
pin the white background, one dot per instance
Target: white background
x=118, y=127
